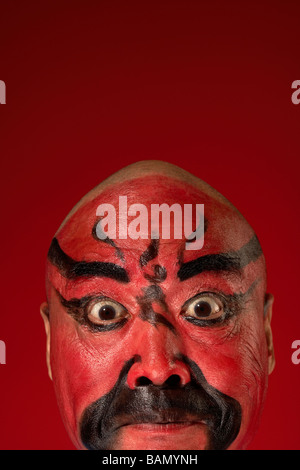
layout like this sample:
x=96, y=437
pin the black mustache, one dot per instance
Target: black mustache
x=195, y=402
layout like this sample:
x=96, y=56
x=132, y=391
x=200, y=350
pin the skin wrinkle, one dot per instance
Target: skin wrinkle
x=78, y=337
x=152, y=294
x=246, y=351
x=229, y=333
x=72, y=269
x=77, y=309
x=231, y=261
x=255, y=395
x=247, y=348
x=82, y=337
x=86, y=364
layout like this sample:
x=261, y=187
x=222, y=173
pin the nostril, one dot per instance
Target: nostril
x=173, y=381
x=143, y=381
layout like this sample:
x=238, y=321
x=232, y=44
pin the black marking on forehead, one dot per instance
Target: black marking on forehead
x=150, y=253
x=152, y=294
x=107, y=240
x=233, y=261
x=159, y=274
x=72, y=269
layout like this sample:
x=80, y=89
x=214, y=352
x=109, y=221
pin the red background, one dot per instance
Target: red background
x=93, y=86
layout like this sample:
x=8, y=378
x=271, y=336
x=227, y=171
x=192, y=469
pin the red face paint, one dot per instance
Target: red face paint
x=161, y=320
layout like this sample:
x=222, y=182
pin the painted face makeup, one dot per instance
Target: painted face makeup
x=152, y=345
x=195, y=405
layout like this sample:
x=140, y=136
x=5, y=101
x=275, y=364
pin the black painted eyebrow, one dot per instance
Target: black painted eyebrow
x=233, y=261
x=72, y=269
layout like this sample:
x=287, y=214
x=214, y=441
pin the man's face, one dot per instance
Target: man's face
x=154, y=346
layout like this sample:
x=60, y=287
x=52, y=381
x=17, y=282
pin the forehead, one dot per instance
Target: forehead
x=225, y=228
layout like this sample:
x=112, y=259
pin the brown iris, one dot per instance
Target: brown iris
x=203, y=309
x=105, y=311
x=206, y=306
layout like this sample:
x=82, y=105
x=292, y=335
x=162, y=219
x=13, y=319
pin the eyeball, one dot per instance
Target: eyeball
x=105, y=312
x=206, y=307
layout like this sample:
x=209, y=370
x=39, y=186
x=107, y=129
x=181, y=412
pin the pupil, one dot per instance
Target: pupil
x=107, y=313
x=202, y=309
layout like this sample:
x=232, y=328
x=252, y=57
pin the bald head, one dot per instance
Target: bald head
x=150, y=168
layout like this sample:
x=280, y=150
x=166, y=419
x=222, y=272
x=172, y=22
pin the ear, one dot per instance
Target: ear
x=269, y=299
x=45, y=315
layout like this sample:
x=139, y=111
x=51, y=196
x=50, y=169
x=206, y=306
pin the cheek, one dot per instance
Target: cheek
x=235, y=362
x=83, y=368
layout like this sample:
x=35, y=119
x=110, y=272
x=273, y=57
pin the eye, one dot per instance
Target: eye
x=105, y=312
x=203, y=309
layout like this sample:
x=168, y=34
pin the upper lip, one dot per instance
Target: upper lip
x=164, y=423
x=162, y=417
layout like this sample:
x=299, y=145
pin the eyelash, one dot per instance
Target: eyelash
x=232, y=306
x=77, y=308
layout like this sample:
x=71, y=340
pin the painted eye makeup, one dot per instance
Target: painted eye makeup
x=96, y=312
x=105, y=311
x=208, y=309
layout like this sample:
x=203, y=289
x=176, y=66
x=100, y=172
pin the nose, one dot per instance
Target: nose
x=159, y=363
